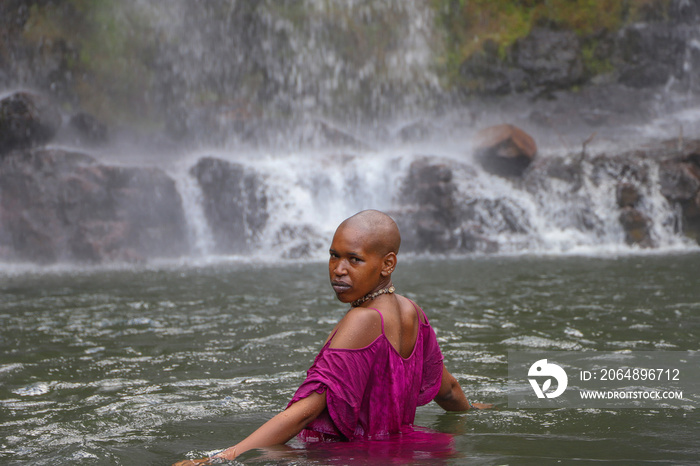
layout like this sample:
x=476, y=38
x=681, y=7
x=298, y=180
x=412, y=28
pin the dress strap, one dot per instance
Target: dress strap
x=419, y=311
x=380, y=316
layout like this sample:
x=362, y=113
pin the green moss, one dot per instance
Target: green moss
x=110, y=56
x=594, y=64
x=467, y=25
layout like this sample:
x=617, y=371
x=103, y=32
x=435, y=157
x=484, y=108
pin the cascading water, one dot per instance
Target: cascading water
x=309, y=194
x=284, y=63
x=200, y=236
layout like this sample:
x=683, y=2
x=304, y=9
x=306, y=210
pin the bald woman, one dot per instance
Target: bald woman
x=380, y=361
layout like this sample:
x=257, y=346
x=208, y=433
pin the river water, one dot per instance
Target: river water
x=151, y=365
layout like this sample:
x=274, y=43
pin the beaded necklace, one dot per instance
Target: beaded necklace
x=371, y=296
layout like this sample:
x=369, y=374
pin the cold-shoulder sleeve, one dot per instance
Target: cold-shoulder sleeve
x=344, y=376
x=432, y=366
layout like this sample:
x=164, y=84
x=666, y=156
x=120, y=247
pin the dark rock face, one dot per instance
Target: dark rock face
x=435, y=217
x=235, y=203
x=485, y=72
x=627, y=195
x=636, y=226
x=649, y=54
x=26, y=120
x=545, y=60
x=680, y=184
x=88, y=129
x=430, y=213
x=64, y=206
x=643, y=55
x=548, y=59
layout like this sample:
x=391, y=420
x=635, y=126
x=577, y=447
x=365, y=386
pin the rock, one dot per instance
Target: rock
x=542, y=170
x=26, y=120
x=627, y=195
x=680, y=184
x=549, y=59
x=430, y=213
x=235, y=203
x=504, y=150
x=544, y=61
x=58, y=206
x=317, y=133
x=677, y=180
x=299, y=241
x=685, y=11
x=417, y=131
x=648, y=55
x=88, y=129
x=691, y=213
x=485, y=72
x=636, y=226
x=433, y=219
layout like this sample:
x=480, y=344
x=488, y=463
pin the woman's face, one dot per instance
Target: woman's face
x=354, y=268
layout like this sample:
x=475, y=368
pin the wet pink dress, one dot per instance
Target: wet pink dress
x=372, y=392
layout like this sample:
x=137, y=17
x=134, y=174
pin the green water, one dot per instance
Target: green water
x=151, y=365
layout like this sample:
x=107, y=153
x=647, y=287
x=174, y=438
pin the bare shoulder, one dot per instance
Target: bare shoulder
x=409, y=307
x=360, y=327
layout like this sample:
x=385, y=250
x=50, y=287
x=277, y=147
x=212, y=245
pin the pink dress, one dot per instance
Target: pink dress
x=372, y=392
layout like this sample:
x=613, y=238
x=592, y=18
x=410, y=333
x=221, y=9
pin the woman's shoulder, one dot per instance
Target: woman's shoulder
x=358, y=328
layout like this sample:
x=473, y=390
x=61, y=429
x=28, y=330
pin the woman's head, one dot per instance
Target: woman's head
x=363, y=254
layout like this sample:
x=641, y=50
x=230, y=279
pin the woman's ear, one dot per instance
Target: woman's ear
x=389, y=264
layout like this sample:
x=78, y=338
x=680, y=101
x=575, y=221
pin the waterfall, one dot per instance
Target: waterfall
x=200, y=235
x=308, y=194
x=293, y=115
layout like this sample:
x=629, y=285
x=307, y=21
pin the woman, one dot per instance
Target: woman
x=378, y=364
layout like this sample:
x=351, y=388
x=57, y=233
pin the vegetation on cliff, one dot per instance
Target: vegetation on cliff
x=224, y=63
x=469, y=26
x=102, y=56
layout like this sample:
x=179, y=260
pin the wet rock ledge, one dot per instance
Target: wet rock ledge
x=63, y=206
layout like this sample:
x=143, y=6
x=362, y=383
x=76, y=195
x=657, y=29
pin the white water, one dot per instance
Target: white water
x=200, y=235
x=309, y=194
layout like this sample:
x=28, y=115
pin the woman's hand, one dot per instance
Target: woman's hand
x=482, y=405
x=196, y=462
x=276, y=431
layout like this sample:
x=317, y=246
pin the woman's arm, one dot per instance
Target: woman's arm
x=452, y=398
x=276, y=431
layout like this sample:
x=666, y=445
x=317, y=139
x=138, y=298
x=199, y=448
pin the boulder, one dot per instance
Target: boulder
x=678, y=180
x=235, y=203
x=88, y=129
x=691, y=213
x=435, y=218
x=627, y=195
x=429, y=213
x=59, y=206
x=504, y=150
x=636, y=226
x=26, y=120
